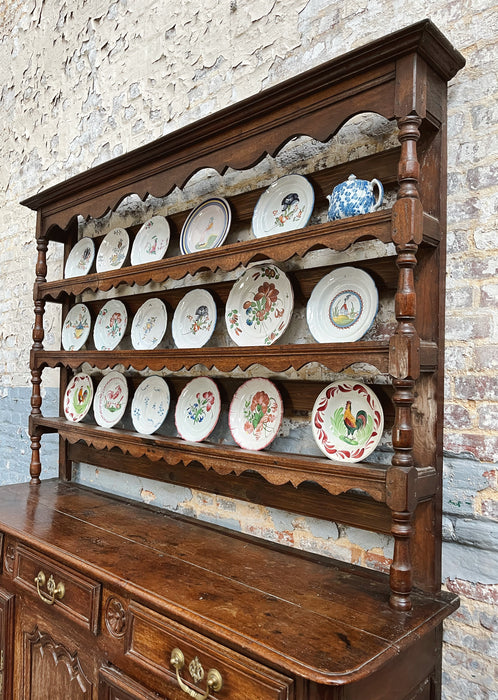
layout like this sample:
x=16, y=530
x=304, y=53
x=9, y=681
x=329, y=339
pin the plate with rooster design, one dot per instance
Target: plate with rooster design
x=78, y=397
x=110, y=399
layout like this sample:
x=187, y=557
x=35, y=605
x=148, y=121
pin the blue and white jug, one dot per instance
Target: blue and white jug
x=354, y=197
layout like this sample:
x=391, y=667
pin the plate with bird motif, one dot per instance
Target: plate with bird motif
x=110, y=399
x=342, y=306
x=194, y=319
x=206, y=226
x=110, y=325
x=149, y=325
x=151, y=241
x=197, y=409
x=150, y=405
x=113, y=250
x=255, y=414
x=347, y=421
x=80, y=259
x=286, y=205
x=78, y=397
x=76, y=327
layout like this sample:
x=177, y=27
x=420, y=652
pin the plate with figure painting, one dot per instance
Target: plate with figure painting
x=150, y=405
x=286, y=205
x=198, y=409
x=78, y=397
x=110, y=325
x=151, y=241
x=206, y=226
x=76, y=327
x=149, y=325
x=110, y=399
x=113, y=250
x=80, y=259
x=255, y=414
x=194, y=319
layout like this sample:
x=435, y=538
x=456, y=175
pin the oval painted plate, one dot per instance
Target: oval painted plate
x=78, y=397
x=255, y=414
x=76, y=327
x=206, y=226
x=80, y=259
x=151, y=242
x=110, y=399
x=149, y=325
x=286, y=205
x=342, y=306
x=347, y=421
x=198, y=409
x=113, y=250
x=194, y=319
x=150, y=405
x=110, y=325
x=259, y=306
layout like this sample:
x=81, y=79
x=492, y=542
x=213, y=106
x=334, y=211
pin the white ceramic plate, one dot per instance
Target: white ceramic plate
x=80, y=259
x=78, y=397
x=285, y=206
x=113, y=250
x=110, y=325
x=76, y=327
x=110, y=399
x=206, y=226
x=151, y=241
x=347, y=421
x=150, y=405
x=255, y=414
x=149, y=325
x=197, y=409
x=259, y=306
x=194, y=319
x=342, y=306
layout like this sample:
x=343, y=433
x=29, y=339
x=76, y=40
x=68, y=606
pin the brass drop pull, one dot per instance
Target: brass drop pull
x=54, y=591
x=214, y=679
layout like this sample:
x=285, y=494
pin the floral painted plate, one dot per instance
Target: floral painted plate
x=76, y=327
x=206, y=226
x=347, y=421
x=197, y=409
x=194, y=319
x=110, y=399
x=78, y=397
x=285, y=206
x=113, y=250
x=151, y=242
x=255, y=414
x=149, y=325
x=259, y=306
x=80, y=259
x=150, y=405
x=110, y=325
x=342, y=306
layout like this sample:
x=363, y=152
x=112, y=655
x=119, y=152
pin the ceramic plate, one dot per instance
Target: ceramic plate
x=76, y=327
x=197, y=409
x=150, y=405
x=110, y=325
x=259, y=306
x=80, y=259
x=194, y=319
x=110, y=399
x=285, y=206
x=113, y=250
x=206, y=226
x=151, y=242
x=255, y=414
x=347, y=421
x=149, y=325
x=78, y=397
x=342, y=306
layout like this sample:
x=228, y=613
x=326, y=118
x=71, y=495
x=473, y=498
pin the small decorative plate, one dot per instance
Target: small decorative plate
x=151, y=241
x=342, y=306
x=78, y=397
x=113, y=250
x=286, y=205
x=347, y=421
x=110, y=325
x=149, y=325
x=150, y=405
x=259, y=306
x=80, y=259
x=76, y=327
x=255, y=414
x=110, y=399
x=206, y=226
x=197, y=409
x=194, y=319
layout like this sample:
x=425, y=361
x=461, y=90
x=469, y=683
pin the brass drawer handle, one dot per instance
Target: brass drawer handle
x=54, y=591
x=214, y=679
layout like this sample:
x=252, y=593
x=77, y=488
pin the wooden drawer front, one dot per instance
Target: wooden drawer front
x=81, y=598
x=152, y=638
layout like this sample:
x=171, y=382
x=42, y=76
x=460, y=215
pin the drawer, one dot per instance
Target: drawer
x=151, y=639
x=81, y=596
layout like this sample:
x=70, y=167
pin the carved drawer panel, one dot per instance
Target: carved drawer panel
x=58, y=586
x=156, y=642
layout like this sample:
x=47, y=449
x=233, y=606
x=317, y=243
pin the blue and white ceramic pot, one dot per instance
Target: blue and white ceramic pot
x=354, y=197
